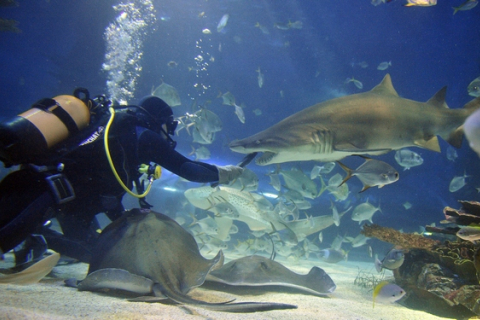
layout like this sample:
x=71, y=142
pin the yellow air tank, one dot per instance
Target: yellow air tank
x=34, y=132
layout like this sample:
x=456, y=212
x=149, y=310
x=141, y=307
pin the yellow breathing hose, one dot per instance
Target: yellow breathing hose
x=107, y=151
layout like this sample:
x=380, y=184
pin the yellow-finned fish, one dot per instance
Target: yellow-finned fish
x=387, y=292
x=421, y=3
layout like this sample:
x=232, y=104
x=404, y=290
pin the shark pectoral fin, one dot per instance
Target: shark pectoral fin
x=347, y=147
x=431, y=144
x=456, y=137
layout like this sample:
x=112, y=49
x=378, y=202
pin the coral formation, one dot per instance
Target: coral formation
x=442, y=278
x=402, y=240
x=368, y=280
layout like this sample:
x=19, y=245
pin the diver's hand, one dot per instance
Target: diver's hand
x=229, y=173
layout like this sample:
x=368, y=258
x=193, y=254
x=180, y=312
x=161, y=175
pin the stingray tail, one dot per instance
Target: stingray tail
x=228, y=306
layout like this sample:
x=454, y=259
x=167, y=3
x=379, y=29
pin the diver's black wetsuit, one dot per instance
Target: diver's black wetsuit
x=96, y=189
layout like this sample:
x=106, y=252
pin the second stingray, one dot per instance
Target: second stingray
x=260, y=271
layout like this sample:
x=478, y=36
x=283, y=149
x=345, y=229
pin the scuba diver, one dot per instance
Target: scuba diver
x=78, y=157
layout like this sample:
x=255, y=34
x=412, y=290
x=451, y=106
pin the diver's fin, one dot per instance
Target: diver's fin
x=34, y=273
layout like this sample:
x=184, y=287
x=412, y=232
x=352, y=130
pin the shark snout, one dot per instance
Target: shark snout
x=237, y=146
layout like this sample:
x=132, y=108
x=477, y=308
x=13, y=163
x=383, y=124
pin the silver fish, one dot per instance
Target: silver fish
x=467, y=5
x=262, y=28
x=452, y=154
x=457, y=183
x=358, y=241
x=331, y=255
x=247, y=181
x=317, y=170
x=275, y=181
x=364, y=211
x=168, y=94
x=407, y=158
x=356, y=82
x=393, y=260
x=240, y=114
x=377, y=2
x=372, y=173
x=295, y=179
x=474, y=88
x=407, y=205
x=330, y=130
x=223, y=22
x=228, y=98
x=201, y=153
x=260, y=78
x=384, y=65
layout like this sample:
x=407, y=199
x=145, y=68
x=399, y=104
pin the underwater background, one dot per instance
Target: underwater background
x=305, y=51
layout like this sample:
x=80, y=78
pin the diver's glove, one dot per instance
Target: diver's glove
x=227, y=174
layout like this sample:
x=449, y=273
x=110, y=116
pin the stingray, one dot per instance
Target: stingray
x=260, y=271
x=168, y=94
x=147, y=253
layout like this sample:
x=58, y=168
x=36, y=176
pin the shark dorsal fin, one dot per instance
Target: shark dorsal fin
x=438, y=99
x=385, y=87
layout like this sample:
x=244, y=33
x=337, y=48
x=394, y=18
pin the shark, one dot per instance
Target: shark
x=373, y=122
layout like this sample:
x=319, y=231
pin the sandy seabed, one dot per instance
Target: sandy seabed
x=51, y=299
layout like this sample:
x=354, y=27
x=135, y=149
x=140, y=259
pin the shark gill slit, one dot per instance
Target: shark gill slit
x=322, y=141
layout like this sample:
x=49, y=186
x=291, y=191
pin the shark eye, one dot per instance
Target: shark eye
x=258, y=141
x=263, y=265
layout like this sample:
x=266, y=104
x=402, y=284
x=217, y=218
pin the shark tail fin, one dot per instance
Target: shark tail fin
x=473, y=104
x=347, y=170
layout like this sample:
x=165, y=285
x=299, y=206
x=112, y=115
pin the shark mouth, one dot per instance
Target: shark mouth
x=265, y=159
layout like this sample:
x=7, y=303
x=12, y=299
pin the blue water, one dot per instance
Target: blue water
x=62, y=46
